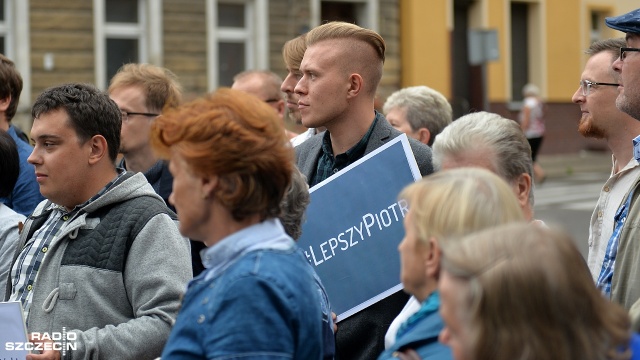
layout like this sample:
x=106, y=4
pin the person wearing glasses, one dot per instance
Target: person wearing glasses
x=610, y=229
x=628, y=62
x=142, y=92
x=627, y=66
x=265, y=85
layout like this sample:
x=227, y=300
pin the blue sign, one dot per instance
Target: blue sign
x=354, y=225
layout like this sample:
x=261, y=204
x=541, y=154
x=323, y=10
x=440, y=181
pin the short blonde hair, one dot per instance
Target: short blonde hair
x=455, y=202
x=160, y=85
x=293, y=52
x=530, y=296
x=360, y=41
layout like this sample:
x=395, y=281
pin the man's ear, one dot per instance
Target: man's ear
x=99, y=149
x=355, y=85
x=522, y=188
x=4, y=103
x=424, y=135
x=433, y=253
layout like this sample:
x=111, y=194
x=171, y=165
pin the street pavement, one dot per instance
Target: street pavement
x=569, y=194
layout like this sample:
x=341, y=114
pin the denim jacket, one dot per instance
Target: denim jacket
x=256, y=300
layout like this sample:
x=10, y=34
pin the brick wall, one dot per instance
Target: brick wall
x=63, y=28
x=185, y=44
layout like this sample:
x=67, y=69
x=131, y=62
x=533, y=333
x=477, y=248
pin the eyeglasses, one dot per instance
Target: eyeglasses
x=126, y=114
x=585, y=86
x=624, y=50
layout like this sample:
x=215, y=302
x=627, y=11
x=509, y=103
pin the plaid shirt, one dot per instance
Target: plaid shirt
x=328, y=165
x=25, y=269
x=606, y=273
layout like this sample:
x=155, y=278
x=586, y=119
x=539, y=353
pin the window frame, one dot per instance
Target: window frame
x=148, y=32
x=255, y=36
x=369, y=18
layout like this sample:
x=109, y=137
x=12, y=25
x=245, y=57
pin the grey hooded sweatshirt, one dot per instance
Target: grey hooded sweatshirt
x=115, y=275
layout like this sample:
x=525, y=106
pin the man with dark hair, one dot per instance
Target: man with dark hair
x=25, y=195
x=102, y=257
x=9, y=219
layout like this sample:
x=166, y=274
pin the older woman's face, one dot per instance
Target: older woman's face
x=412, y=251
x=188, y=199
x=454, y=312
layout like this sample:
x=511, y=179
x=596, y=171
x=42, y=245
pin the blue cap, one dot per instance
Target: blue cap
x=628, y=23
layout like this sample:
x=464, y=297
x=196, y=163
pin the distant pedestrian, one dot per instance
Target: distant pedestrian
x=531, y=120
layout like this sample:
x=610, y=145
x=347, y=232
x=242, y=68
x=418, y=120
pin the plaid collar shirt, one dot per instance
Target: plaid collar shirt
x=608, y=265
x=329, y=165
x=32, y=255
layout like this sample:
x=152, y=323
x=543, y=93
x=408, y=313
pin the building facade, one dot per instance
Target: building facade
x=536, y=41
x=429, y=42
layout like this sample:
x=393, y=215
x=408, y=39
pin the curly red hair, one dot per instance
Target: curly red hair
x=236, y=137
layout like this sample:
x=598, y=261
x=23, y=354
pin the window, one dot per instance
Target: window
x=15, y=43
x=519, y=49
x=597, y=26
x=126, y=31
x=4, y=27
x=362, y=12
x=237, y=39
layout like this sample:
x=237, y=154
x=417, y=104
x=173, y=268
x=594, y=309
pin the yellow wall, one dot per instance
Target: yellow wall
x=559, y=34
x=564, y=51
x=495, y=11
x=425, y=49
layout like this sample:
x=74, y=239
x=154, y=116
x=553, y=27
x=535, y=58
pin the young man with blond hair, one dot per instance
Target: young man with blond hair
x=142, y=92
x=341, y=69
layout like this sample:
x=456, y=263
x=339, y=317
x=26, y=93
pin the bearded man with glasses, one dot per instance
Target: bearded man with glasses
x=626, y=279
x=609, y=229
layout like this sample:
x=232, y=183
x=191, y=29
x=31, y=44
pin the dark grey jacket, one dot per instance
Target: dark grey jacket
x=308, y=153
x=115, y=275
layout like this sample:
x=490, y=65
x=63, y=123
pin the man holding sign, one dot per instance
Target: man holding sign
x=341, y=70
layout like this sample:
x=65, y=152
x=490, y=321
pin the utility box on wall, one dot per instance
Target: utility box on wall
x=483, y=46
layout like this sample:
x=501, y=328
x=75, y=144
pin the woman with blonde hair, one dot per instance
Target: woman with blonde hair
x=231, y=167
x=443, y=207
x=524, y=292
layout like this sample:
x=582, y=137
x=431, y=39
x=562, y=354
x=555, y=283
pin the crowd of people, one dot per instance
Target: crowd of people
x=152, y=227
